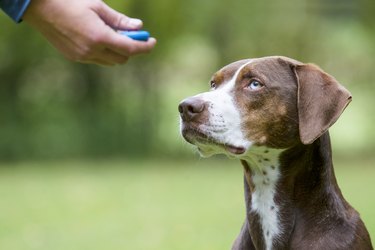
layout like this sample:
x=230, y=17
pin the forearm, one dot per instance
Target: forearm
x=14, y=8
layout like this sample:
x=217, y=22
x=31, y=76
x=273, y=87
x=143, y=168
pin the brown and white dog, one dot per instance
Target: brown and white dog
x=273, y=114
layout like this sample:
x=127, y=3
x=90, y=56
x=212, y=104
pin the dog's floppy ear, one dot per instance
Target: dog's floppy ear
x=321, y=100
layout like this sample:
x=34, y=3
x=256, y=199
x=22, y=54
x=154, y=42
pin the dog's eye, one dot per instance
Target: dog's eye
x=254, y=85
x=213, y=85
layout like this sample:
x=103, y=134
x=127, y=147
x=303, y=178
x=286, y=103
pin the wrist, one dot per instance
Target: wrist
x=41, y=13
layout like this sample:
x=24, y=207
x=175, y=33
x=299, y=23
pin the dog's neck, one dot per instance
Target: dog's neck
x=282, y=187
x=262, y=173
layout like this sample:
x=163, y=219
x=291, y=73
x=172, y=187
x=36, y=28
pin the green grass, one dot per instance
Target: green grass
x=139, y=205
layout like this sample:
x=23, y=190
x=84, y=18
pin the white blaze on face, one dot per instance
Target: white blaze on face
x=224, y=123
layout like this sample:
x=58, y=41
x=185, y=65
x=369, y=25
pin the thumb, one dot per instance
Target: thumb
x=118, y=20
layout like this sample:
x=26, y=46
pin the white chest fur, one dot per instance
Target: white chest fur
x=265, y=175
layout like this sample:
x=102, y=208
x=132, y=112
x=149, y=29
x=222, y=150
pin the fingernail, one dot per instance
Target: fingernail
x=135, y=23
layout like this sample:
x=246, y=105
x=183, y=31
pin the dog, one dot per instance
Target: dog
x=273, y=114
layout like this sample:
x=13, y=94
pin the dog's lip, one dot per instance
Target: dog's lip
x=235, y=150
x=192, y=135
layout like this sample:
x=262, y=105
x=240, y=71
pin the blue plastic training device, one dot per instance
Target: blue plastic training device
x=139, y=35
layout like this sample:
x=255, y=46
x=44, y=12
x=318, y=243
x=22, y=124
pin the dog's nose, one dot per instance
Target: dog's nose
x=191, y=108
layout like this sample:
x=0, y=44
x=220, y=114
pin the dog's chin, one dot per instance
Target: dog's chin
x=208, y=146
x=208, y=150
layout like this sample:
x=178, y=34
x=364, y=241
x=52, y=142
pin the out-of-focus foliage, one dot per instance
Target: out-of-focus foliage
x=50, y=107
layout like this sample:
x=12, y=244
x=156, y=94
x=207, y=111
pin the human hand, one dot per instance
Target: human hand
x=84, y=30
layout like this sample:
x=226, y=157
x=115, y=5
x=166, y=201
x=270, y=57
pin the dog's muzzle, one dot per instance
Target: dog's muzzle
x=194, y=113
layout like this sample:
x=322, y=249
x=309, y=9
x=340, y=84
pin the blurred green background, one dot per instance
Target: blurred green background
x=91, y=157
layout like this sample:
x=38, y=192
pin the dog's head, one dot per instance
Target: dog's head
x=274, y=102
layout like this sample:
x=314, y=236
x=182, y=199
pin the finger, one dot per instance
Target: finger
x=118, y=20
x=128, y=47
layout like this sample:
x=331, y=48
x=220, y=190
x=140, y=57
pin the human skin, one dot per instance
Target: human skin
x=85, y=30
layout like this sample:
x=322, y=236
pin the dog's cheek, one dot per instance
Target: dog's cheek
x=285, y=127
x=268, y=122
x=282, y=128
x=282, y=134
x=253, y=117
x=255, y=129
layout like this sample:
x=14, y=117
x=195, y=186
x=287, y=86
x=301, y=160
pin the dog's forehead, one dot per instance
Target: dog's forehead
x=227, y=72
x=269, y=65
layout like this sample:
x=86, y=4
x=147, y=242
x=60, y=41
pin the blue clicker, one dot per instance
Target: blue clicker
x=139, y=35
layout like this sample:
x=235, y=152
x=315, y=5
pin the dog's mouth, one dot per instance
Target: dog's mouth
x=235, y=150
x=201, y=139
